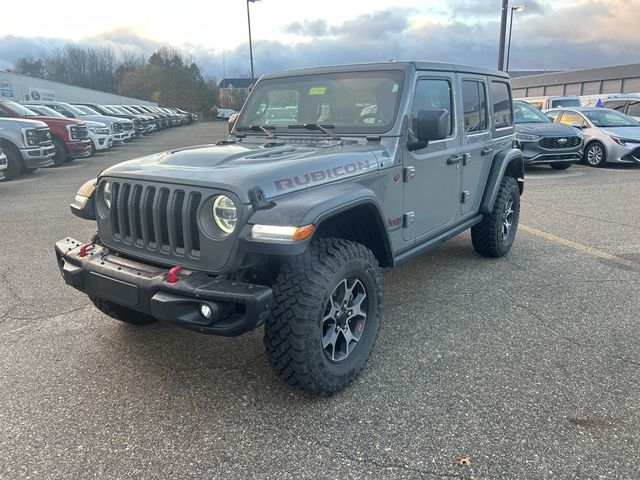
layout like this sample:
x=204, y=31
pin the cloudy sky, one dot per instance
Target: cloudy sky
x=548, y=34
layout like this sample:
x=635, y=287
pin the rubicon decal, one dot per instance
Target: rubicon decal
x=321, y=175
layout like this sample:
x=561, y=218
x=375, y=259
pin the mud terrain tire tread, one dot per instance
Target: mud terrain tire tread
x=486, y=236
x=301, y=290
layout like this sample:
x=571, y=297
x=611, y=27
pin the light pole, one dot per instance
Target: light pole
x=503, y=31
x=517, y=8
x=250, y=45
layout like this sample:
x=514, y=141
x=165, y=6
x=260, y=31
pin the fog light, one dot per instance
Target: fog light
x=205, y=311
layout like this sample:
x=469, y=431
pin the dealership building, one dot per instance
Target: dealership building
x=21, y=87
x=593, y=81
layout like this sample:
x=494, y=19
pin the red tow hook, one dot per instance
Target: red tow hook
x=84, y=248
x=172, y=276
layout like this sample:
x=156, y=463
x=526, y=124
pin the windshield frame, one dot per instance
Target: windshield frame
x=318, y=80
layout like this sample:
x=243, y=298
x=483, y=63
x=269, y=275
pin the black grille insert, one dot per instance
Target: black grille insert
x=161, y=219
x=560, y=142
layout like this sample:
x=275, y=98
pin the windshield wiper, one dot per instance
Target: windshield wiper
x=259, y=128
x=316, y=126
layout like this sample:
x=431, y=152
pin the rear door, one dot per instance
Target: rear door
x=432, y=174
x=477, y=145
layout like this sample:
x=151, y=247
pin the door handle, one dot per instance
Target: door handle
x=486, y=151
x=454, y=159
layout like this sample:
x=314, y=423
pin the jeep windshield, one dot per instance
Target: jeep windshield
x=351, y=102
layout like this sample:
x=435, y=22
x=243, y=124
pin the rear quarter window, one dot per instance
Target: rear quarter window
x=501, y=103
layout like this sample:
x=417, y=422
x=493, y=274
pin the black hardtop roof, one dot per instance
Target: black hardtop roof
x=392, y=65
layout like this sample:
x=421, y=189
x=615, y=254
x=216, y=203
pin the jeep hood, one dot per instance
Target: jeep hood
x=547, y=129
x=238, y=167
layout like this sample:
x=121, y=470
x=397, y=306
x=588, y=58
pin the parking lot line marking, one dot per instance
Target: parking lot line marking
x=581, y=248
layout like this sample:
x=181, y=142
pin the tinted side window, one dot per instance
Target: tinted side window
x=432, y=94
x=501, y=96
x=616, y=105
x=59, y=109
x=474, y=101
x=634, y=109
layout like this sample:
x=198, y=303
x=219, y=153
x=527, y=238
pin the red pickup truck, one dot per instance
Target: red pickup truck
x=69, y=136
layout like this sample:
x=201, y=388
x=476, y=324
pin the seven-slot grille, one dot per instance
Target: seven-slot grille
x=557, y=142
x=156, y=218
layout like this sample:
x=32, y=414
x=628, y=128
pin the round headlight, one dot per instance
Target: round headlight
x=225, y=213
x=106, y=194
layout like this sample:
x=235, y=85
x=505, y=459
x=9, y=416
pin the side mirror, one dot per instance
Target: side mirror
x=429, y=125
x=432, y=125
x=577, y=125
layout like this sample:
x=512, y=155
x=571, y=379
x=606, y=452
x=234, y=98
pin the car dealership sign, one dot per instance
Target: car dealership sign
x=39, y=94
x=5, y=89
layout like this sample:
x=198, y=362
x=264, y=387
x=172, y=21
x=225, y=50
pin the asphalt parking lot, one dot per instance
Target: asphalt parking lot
x=527, y=366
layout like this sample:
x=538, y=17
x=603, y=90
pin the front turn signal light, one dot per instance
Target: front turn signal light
x=279, y=233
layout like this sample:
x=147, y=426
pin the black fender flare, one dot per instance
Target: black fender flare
x=312, y=206
x=507, y=161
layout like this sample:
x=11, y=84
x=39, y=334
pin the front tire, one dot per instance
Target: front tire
x=494, y=236
x=595, y=155
x=60, y=157
x=15, y=166
x=326, y=316
x=123, y=314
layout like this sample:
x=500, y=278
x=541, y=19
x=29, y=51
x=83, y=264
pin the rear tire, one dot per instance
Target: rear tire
x=494, y=236
x=15, y=166
x=326, y=316
x=60, y=157
x=560, y=166
x=122, y=314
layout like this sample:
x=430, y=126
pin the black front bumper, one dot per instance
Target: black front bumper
x=236, y=307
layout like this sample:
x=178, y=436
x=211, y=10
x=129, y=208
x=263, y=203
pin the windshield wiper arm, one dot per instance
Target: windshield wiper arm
x=259, y=128
x=317, y=126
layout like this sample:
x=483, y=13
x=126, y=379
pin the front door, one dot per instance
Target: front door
x=432, y=174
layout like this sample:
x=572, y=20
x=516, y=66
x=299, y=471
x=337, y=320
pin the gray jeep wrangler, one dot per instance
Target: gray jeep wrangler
x=329, y=176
